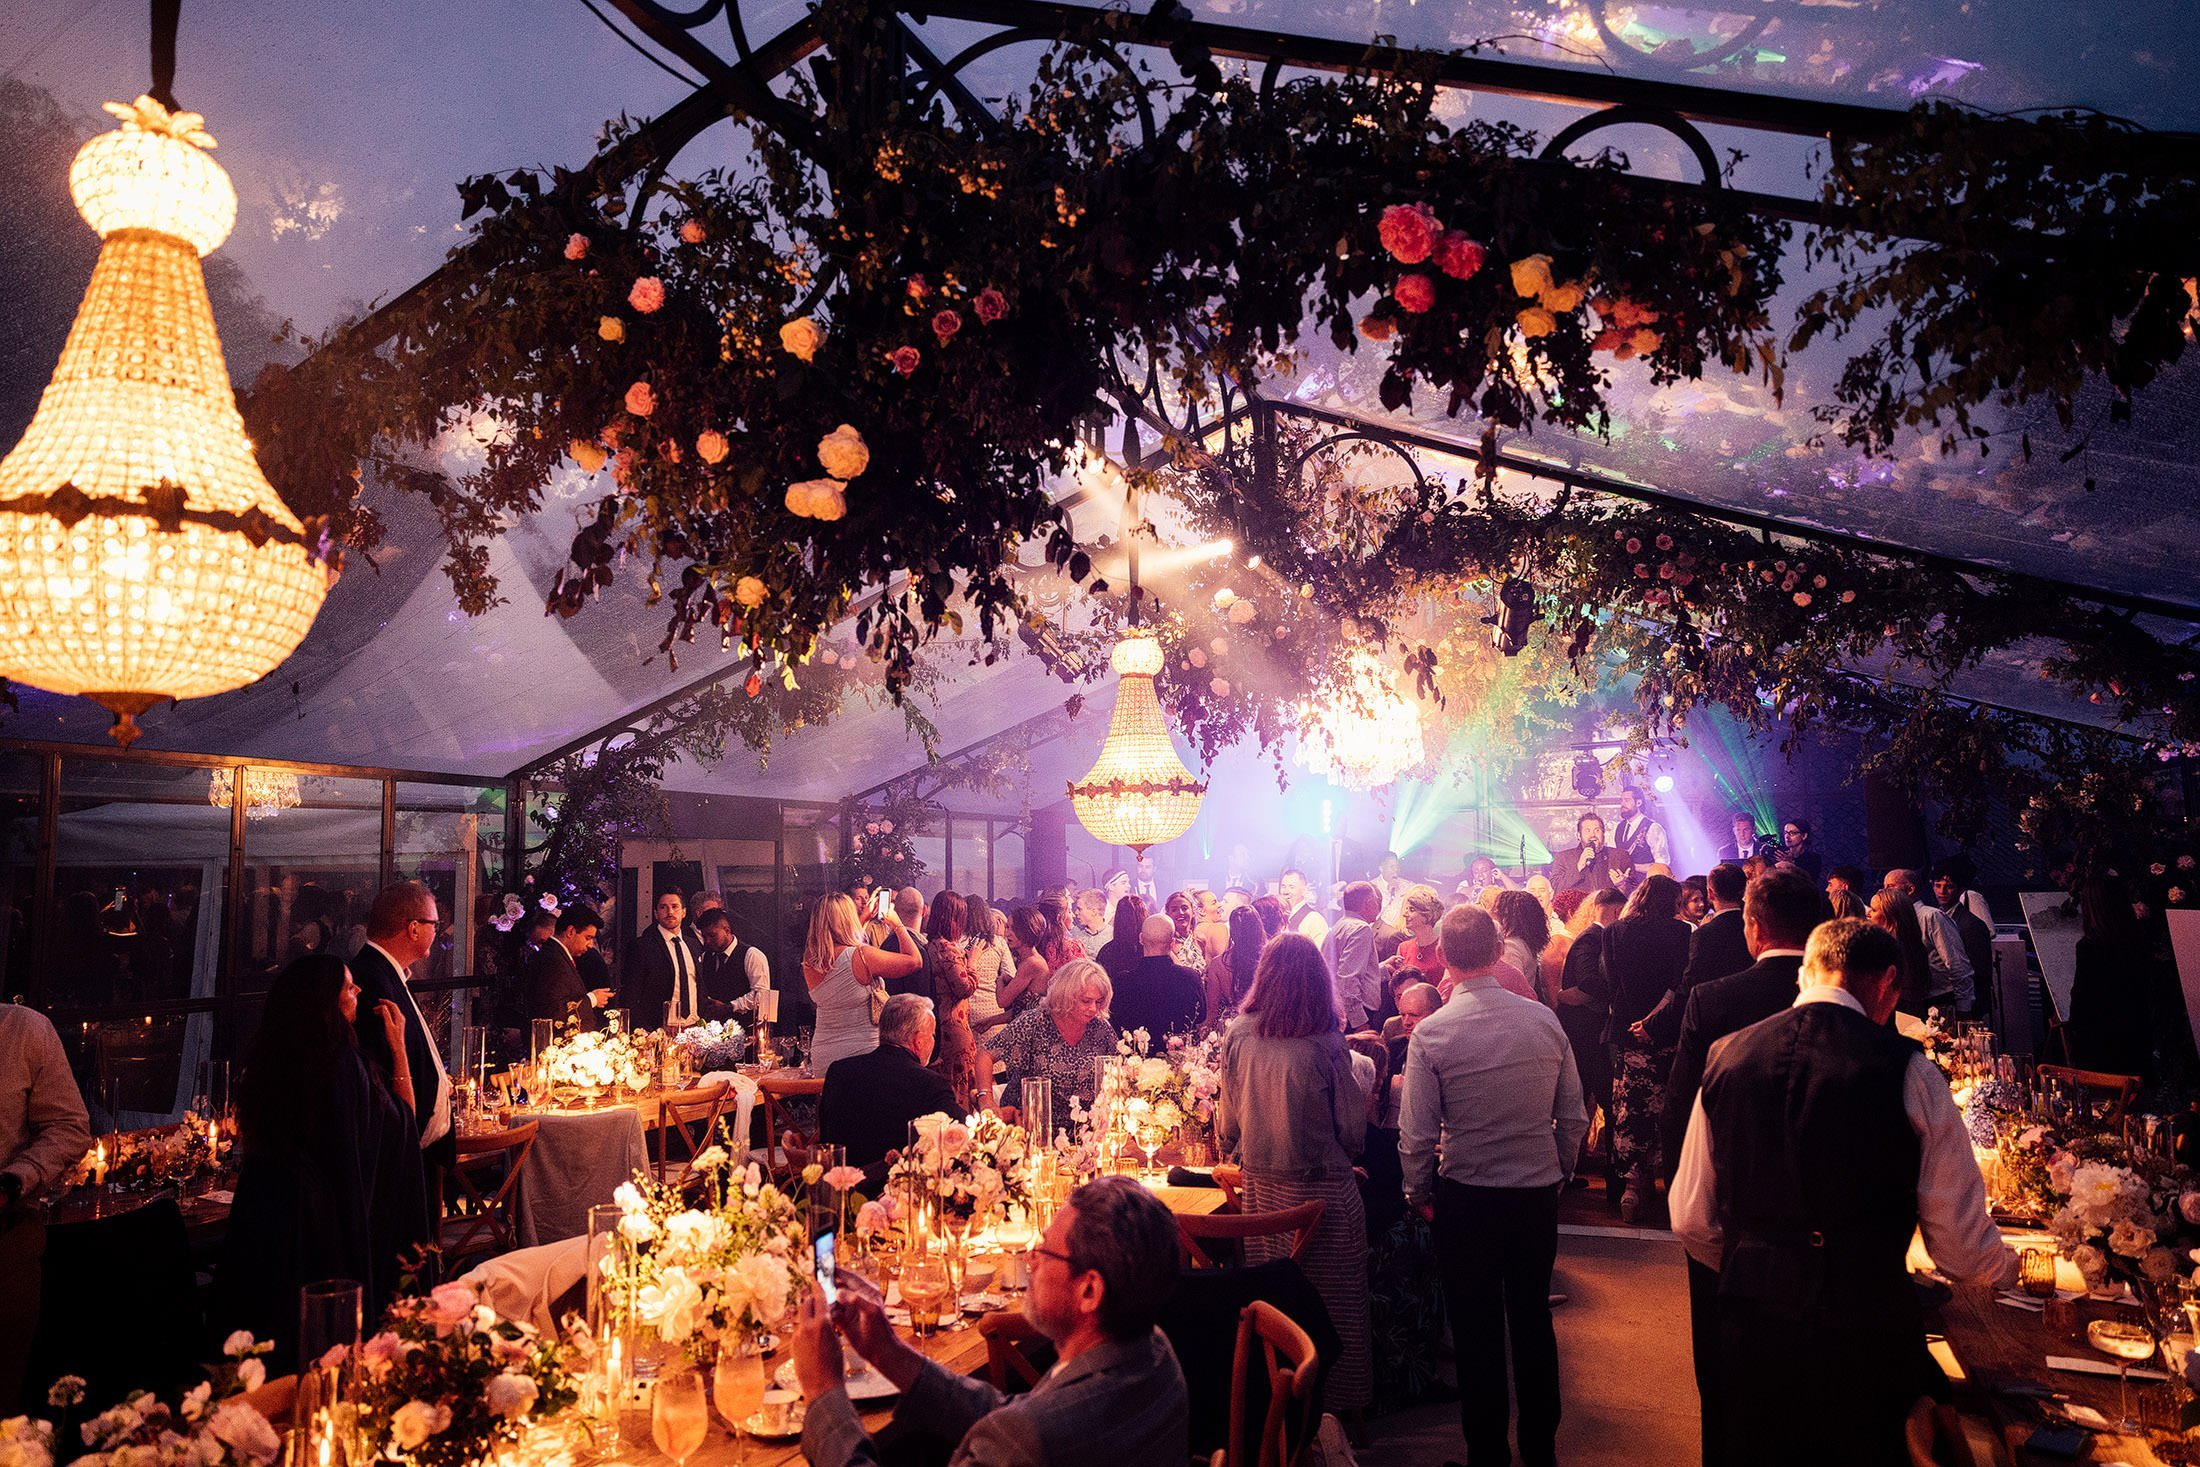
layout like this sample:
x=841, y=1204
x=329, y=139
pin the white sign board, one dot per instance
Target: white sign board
x=2053, y=918
x=2184, y=942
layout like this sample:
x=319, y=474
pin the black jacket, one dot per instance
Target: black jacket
x=1582, y=869
x=378, y=979
x=1645, y=957
x=1717, y=948
x=870, y=1099
x=1157, y=995
x=648, y=985
x=554, y=984
x=1716, y=1009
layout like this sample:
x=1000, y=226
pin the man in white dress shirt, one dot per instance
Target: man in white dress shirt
x=1642, y=838
x=1300, y=915
x=44, y=1131
x=1349, y=950
x=1820, y=1141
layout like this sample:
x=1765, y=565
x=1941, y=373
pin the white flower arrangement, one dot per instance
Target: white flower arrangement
x=716, y=1044
x=696, y=1275
x=595, y=1062
x=973, y=1167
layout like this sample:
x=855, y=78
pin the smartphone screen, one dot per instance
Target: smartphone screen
x=821, y=1253
x=885, y=902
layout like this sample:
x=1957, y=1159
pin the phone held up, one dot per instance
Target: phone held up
x=821, y=1256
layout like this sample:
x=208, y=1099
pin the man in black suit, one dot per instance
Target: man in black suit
x=1156, y=993
x=1718, y=946
x=870, y=1099
x=1778, y=912
x=1746, y=842
x=1585, y=1000
x=555, y=986
x=1593, y=863
x=401, y=930
x=664, y=970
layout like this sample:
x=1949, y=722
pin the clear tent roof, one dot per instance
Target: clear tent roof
x=346, y=128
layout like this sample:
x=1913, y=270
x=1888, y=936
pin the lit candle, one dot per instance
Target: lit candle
x=99, y=1164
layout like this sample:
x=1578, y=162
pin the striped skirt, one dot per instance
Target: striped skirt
x=1335, y=1262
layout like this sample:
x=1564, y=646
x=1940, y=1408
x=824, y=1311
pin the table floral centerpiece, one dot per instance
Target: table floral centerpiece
x=715, y=1044
x=197, y=1149
x=590, y=1065
x=446, y=1383
x=213, y=1425
x=970, y=1169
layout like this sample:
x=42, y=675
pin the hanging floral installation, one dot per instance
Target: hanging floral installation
x=881, y=840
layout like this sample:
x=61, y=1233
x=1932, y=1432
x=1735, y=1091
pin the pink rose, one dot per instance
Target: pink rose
x=647, y=295
x=886, y=827
x=905, y=359
x=1458, y=256
x=918, y=288
x=2188, y=1207
x=1665, y=542
x=872, y=1217
x=945, y=324
x=841, y=1178
x=1634, y=545
x=1414, y=293
x=990, y=305
x=640, y=400
x=450, y=1304
x=576, y=246
x=1409, y=232
x=381, y=1352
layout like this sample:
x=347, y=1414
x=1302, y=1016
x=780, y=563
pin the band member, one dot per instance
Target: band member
x=1592, y=864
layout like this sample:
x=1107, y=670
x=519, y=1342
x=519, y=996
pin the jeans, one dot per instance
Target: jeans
x=1495, y=1247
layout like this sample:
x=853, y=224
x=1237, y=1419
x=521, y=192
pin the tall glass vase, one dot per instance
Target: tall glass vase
x=322, y=1416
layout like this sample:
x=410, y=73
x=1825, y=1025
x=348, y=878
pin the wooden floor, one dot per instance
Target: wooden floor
x=1628, y=1394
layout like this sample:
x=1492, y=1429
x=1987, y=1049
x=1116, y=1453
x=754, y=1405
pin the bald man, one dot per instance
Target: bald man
x=1157, y=993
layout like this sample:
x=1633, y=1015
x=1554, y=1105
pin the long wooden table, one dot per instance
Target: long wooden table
x=1986, y=1345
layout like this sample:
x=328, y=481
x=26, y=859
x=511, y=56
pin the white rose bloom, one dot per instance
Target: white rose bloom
x=247, y=1433
x=510, y=1395
x=416, y=1421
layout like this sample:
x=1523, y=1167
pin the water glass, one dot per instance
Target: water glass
x=924, y=1293
x=1036, y=1106
x=545, y=1034
x=679, y=1414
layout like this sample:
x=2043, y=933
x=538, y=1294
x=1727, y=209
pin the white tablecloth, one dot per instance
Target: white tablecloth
x=579, y=1159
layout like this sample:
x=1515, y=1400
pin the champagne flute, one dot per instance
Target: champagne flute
x=2127, y=1342
x=679, y=1417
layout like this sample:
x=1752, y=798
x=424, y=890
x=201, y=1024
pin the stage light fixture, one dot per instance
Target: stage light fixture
x=1663, y=784
x=1516, y=613
x=1588, y=777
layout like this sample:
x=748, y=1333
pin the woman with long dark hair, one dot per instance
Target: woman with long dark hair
x=1237, y=964
x=330, y=1185
x=947, y=957
x=1645, y=954
x=1525, y=924
x=2109, y=989
x=1896, y=915
x=1294, y=1117
x=1030, y=941
x=1121, y=952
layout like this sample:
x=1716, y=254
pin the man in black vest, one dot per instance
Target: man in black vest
x=733, y=972
x=1820, y=1140
x=870, y=1099
x=1718, y=947
x=664, y=970
x=401, y=931
x=1777, y=915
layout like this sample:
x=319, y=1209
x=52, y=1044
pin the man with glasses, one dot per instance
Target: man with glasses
x=1802, y=852
x=401, y=931
x=1115, y=1395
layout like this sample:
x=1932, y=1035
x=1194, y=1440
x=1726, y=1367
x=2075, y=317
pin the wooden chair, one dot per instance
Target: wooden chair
x=2112, y=1093
x=1230, y=1177
x=1197, y=1232
x=687, y=1120
x=1269, y=1342
x=486, y=1221
x=1009, y=1363
x=783, y=1137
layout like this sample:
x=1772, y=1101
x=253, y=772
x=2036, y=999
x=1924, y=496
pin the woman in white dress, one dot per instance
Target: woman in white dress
x=840, y=968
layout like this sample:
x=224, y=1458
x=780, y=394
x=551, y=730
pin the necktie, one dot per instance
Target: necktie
x=683, y=980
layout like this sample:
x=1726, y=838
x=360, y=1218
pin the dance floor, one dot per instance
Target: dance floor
x=1630, y=1396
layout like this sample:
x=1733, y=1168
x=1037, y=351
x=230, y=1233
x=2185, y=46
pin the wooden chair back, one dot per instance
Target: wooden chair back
x=1299, y=1222
x=686, y=1122
x=1282, y=1354
x=1009, y=1338
x=784, y=1135
x=486, y=1219
x=1230, y=1177
x=2114, y=1094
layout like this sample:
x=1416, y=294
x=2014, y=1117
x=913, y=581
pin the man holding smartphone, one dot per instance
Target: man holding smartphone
x=1115, y=1395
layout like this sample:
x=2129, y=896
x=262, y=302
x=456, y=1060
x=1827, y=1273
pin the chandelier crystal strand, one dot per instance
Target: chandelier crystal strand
x=267, y=792
x=1367, y=734
x=143, y=555
x=1139, y=793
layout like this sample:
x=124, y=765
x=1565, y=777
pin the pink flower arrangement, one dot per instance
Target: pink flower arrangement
x=576, y=246
x=1409, y=232
x=945, y=324
x=640, y=400
x=647, y=295
x=1415, y=293
x=905, y=359
x=1458, y=256
x=990, y=305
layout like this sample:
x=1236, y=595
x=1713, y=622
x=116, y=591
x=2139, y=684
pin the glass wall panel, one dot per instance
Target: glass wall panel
x=450, y=837
x=19, y=781
x=1008, y=865
x=141, y=867
x=310, y=874
x=968, y=855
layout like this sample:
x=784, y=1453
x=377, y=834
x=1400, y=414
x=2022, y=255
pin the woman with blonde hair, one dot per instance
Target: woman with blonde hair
x=840, y=968
x=1059, y=1040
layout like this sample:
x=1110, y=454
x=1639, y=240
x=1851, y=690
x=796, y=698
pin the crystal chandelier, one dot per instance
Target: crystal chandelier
x=1366, y=735
x=143, y=555
x=1139, y=793
x=267, y=792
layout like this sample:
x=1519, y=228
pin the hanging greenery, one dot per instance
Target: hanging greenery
x=881, y=842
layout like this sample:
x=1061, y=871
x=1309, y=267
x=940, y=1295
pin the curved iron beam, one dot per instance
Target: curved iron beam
x=1635, y=112
x=1025, y=35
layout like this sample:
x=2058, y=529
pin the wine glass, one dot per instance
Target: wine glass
x=2127, y=1342
x=924, y=1292
x=679, y=1417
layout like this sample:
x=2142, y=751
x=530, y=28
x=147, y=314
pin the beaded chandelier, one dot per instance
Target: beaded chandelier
x=143, y=555
x=1140, y=793
x=1366, y=735
x=267, y=792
